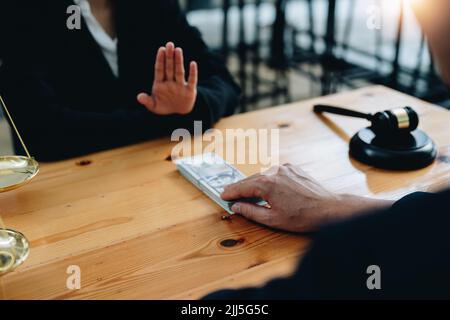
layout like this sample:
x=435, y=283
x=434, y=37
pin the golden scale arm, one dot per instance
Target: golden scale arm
x=8, y=115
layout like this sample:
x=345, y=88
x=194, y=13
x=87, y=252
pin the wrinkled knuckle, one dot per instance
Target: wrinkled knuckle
x=277, y=180
x=262, y=180
x=250, y=212
x=268, y=186
x=266, y=181
x=258, y=191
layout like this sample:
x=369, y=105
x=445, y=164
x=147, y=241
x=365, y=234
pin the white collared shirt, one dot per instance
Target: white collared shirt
x=106, y=43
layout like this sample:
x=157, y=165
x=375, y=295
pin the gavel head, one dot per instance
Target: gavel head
x=395, y=121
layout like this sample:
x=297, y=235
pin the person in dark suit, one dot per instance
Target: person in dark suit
x=134, y=70
x=396, y=252
x=362, y=248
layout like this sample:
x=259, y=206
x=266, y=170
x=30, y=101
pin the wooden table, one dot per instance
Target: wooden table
x=138, y=230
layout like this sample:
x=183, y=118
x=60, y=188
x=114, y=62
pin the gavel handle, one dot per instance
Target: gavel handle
x=319, y=108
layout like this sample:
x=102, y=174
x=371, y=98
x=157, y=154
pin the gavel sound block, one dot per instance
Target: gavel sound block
x=393, y=141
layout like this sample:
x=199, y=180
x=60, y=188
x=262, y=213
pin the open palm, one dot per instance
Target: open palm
x=171, y=93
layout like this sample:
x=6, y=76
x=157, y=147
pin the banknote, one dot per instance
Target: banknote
x=211, y=174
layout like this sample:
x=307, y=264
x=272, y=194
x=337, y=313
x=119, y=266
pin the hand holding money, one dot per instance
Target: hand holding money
x=298, y=202
x=211, y=174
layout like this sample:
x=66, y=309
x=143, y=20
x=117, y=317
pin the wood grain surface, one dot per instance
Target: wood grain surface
x=139, y=230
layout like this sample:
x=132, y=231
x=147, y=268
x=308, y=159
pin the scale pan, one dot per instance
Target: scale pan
x=15, y=171
x=14, y=250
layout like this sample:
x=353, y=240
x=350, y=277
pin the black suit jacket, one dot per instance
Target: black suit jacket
x=63, y=95
x=410, y=243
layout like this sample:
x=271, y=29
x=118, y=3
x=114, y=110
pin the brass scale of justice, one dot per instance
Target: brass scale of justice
x=15, y=171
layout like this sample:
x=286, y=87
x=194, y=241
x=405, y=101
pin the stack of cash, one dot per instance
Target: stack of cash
x=211, y=174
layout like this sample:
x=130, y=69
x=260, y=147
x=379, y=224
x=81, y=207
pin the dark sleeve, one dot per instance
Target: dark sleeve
x=53, y=129
x=408, y=242
x=218, y=94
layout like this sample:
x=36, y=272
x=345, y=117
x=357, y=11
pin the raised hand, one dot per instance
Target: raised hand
x=171, y=93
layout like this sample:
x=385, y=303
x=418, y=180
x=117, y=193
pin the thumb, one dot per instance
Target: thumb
x=147, y=101
x=252, y=212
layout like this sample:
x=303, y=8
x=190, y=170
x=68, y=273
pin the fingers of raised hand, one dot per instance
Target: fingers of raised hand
x=147, y=101
x=179, y=66
x=160, y=65
x=170, y=61
x=193, y=76
x=169, y=66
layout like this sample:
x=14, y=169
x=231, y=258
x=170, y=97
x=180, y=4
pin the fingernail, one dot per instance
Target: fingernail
x=235, y=207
